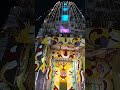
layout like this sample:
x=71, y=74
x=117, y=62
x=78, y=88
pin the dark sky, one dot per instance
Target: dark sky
x=5, y=6
x=41, y=7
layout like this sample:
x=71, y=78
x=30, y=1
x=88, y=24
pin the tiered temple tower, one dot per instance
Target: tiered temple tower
x=60, y=47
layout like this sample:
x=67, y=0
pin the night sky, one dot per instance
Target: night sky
x=41, y=8
x=5, y=6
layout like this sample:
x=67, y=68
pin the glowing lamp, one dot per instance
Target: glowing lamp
x=64, y=30
x=65, y=9
x=65, y=3
x=65, y=18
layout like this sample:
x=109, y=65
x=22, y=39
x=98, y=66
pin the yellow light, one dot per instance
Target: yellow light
x=43, y=59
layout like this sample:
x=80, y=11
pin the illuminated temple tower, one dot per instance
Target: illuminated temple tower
x=60, y=48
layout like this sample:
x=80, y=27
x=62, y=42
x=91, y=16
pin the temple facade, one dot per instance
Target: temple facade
x=60, y=49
